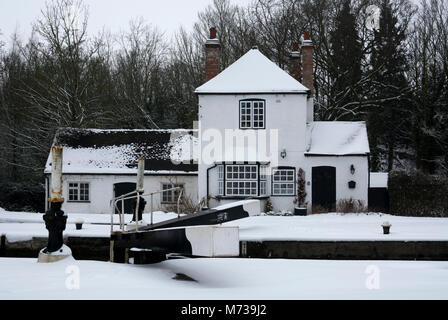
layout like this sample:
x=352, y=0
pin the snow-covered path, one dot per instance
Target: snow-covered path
x=224, y=279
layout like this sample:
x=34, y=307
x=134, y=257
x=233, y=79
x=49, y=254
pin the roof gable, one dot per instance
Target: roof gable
x=252, y=73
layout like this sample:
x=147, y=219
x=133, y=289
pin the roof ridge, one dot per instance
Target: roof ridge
x=253, y=72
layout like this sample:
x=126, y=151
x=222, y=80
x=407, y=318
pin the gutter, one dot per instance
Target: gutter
x=208, y=169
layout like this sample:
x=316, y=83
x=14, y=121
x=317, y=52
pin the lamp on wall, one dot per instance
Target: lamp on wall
x=283, y=154
x=352, y=169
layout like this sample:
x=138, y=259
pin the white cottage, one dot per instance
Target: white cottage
x=256, y=130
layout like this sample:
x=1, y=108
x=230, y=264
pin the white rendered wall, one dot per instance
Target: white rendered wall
x=343, y=176
x=286, y=113
x=102, y=186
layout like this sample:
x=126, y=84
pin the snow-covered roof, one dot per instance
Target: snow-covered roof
x=337, y=138
x=95, y=151
x=252, y=73
x=378, y=179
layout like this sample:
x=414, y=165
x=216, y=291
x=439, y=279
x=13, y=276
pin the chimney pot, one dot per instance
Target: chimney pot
x=294, y=61
x=212, y=56
x=295, y=46
x=212, y=33
x=306, y=36
x=308, y=63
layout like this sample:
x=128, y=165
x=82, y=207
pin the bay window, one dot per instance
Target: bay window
x=241, y=180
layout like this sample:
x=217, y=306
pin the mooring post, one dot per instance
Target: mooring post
x=3, y=246
x=140, y=174
x=151, y=208
x=55, y=219
x=140, y=178
x=111, y=250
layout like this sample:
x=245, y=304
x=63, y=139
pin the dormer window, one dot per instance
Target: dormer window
x=252, y=114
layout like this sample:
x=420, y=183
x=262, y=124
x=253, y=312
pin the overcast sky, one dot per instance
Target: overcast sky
x=167, y=15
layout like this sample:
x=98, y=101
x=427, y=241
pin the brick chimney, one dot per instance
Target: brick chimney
x=212, y=56
x=294, y=61
x=307, y=63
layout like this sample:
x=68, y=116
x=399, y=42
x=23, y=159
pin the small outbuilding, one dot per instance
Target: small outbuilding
x=101, y=164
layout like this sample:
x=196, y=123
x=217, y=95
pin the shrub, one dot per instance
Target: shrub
x=268, y=205
x=186, y=205
x=283, y=213
x=414, y=193
x=350, y=205
x=22, y=197
x=301, y=189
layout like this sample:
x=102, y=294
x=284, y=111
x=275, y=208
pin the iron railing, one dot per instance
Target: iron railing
x=133, y=195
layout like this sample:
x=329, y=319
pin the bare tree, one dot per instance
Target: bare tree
x=137, y=66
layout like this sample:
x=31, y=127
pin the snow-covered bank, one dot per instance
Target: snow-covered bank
x=342, y=227
x=224, y=279
x=332, y=226
x=30, y=217
x=23, y=226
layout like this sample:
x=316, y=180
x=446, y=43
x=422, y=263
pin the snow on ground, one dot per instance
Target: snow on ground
x=223, y=279
x=332, y=226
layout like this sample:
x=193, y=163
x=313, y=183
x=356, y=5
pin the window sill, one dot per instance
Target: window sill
x=252, y=128
x=283, y=195
x=241, y=197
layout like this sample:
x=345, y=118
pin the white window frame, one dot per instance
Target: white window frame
x=263, y=180
x=76, y=186
x=221, y=180
x=252, y=114
x=284, y=181
x=171, y=195
x=240, y=181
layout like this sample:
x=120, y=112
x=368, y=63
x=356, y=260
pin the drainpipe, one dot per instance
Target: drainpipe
x=208, y=169
x=140, y=178
x=140, y=174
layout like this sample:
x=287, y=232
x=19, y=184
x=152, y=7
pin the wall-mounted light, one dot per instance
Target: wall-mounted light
x=283, y=154
x=352, y=169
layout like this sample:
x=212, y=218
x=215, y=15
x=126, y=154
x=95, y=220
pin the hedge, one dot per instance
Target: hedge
x=22, y=197
x=418, y=194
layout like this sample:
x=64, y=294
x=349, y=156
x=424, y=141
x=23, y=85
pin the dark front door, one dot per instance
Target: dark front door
x=324, y=188
x=123, y=188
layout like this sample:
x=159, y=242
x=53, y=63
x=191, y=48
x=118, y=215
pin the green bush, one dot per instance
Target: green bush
x=417, y=194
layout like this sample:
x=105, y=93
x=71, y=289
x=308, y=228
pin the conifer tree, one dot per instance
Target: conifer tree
x=388, y=60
